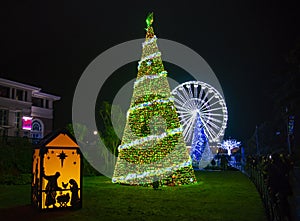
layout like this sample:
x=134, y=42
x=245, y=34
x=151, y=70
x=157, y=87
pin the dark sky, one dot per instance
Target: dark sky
x=49, y=44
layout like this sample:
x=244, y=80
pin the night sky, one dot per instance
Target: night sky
x=49, y=45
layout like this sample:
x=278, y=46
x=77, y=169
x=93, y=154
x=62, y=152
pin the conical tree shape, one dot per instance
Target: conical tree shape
x=152, y=146
x=206, y=158
x=199, y=141
x=200, y=152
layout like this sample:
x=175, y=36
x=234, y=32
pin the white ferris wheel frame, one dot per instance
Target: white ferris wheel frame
x=208, y=102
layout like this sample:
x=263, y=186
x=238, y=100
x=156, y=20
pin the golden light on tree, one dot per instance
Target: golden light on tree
x=56, y=172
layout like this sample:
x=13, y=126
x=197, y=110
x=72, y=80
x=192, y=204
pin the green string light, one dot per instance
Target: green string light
x=152, y=143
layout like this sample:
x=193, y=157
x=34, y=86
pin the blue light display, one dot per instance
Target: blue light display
x=199, y=142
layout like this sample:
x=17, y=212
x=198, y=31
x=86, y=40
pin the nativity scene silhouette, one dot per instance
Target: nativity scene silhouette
x=63, y=199
x=57, y=172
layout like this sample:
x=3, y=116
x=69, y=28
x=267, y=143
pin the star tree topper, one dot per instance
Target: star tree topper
x=149, y=20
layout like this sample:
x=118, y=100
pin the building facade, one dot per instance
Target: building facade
x=25, y=111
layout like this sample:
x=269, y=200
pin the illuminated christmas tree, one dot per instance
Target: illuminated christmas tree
x=152, y=146
x=199, y=142
x=207, y=157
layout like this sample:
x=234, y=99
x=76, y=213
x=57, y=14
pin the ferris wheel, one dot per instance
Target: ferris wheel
x=195, y=97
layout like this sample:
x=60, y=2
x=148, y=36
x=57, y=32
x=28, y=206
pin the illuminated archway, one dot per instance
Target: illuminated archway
x=37, y=129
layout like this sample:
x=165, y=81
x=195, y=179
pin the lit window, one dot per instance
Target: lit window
x=36, y=129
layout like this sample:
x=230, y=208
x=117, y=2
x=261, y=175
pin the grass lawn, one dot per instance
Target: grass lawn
x=224, y=195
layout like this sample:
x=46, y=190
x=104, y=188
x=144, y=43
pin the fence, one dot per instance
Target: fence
x=271, y=178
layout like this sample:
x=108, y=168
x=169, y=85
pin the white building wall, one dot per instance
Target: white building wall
x=25, y=106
